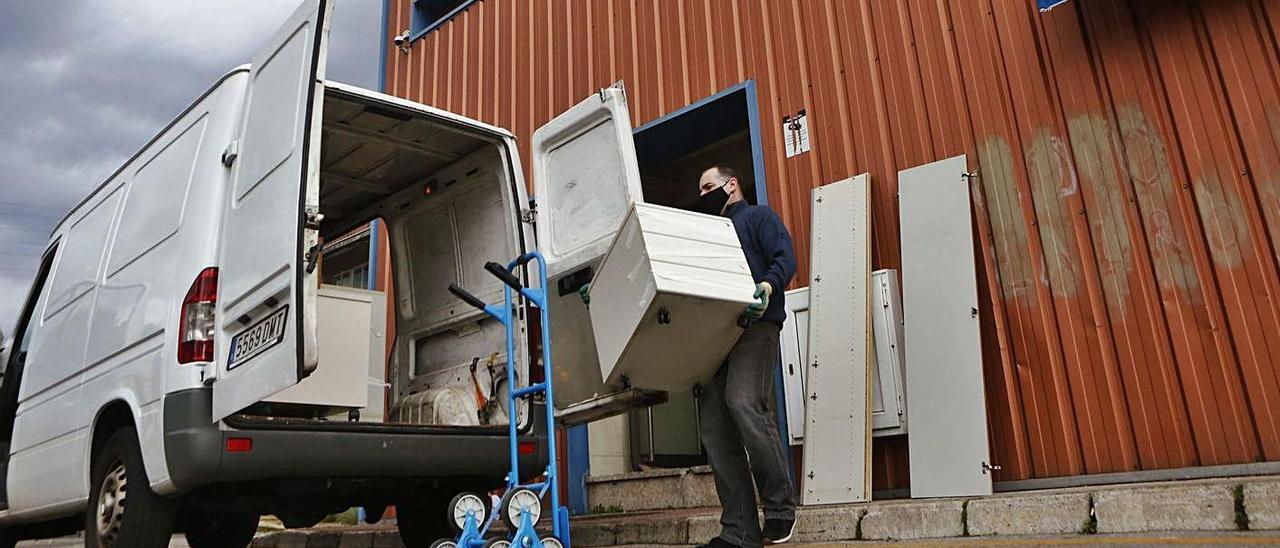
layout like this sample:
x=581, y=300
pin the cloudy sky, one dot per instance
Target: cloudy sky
x=85, y=83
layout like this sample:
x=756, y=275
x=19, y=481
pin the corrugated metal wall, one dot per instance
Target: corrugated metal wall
x=1128, y=208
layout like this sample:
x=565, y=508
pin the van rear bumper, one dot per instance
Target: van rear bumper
x=196, y=451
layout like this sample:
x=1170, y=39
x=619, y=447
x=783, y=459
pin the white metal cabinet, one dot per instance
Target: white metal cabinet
x=585, y=178
x=667, y=298
x=346, y=331
x=888, y=397
x=794, y=345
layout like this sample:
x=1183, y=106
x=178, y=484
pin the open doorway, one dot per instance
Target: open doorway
x=673, y=151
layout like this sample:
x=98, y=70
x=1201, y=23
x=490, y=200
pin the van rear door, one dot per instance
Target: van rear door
x=265, y=336
x=585, y=178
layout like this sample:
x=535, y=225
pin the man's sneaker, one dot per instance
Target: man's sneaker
x=778, y=531
x=719, y=543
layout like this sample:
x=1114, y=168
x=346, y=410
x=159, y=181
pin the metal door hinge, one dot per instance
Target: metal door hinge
x=988, y=468
x=314, y=218
x=231, y=153
x=313, y=257
x=604, y=92
x=970, y=175
x=528, y=215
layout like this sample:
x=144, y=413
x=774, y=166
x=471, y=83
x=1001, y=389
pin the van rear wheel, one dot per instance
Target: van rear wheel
x=421, y=518
x=123, y=512
x=221, y=529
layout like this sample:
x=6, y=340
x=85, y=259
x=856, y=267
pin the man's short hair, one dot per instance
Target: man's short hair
x=725, y=172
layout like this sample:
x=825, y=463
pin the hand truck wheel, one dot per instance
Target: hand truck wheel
x=497, y=543
x=444, y=543
x=463, y=503
x=551, y=542
x=516, y=502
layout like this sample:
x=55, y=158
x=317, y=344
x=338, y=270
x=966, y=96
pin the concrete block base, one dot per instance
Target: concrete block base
x=914, y=520
x=1049, y=514
x=1170, y=507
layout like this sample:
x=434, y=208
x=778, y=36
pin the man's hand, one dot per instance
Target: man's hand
x=756, y=309
x=585, y=293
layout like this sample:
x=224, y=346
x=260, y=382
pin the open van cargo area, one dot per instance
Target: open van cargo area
x=446, y=196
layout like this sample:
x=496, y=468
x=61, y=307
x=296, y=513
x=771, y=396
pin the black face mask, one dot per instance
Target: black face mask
x=711, y=203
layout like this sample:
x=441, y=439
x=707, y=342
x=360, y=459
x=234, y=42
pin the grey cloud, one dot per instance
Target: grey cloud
x=88, y=82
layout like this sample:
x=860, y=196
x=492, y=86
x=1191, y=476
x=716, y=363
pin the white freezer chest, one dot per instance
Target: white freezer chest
x=666, y=299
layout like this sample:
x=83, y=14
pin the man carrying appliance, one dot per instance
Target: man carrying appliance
x=739, y=431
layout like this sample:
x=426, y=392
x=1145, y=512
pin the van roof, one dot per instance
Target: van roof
x=143, y=148
x=354, y=90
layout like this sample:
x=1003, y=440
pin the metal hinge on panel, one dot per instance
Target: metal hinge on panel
x=969, y=175
x=616, y=85
x=988, y=468
x=229, y=155
x=528, y=215
x=314, y=218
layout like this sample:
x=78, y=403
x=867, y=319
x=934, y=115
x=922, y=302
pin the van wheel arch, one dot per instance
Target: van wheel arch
x=112, y=417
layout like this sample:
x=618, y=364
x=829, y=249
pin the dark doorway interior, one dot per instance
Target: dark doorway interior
x=673, y=151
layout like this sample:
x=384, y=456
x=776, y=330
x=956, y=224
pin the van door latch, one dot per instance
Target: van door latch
x=528, y=215
x=313, y=257
x=231, y=153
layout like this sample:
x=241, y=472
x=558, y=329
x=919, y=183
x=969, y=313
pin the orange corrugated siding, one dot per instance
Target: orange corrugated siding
x=1128, y=209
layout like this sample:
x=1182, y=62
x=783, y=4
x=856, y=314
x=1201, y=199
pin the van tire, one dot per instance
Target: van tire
x=7, y=539
x=220, y=529
x=422, y=519
x=117, y=475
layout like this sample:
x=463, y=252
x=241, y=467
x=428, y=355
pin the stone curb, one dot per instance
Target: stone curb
x=1050, y=514
x=1262, y=505
x=1197, y=505
x=914, y=520
x=1166, y=508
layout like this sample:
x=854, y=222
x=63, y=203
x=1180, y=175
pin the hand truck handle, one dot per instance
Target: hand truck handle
x=502, y=274
x=466, y=296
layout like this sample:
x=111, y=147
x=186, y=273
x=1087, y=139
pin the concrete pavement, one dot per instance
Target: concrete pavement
x=1223, y=539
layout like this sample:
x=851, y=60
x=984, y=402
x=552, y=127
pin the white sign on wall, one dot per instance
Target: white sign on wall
x=795, y=133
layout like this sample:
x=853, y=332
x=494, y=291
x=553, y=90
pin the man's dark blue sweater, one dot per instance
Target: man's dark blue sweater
x=767, y=245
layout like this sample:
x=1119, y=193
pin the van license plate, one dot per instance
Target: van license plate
x=260, y=336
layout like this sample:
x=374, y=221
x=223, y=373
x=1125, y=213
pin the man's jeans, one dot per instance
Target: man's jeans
x=737, y=423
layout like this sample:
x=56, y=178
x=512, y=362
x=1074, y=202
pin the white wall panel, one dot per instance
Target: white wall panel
x=948, y=435
x=837, y=466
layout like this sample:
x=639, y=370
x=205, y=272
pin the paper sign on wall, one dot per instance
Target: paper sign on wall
x=795, y=133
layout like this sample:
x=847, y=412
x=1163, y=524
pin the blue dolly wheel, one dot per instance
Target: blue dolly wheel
x=444, y=543
x=551, y=542
x=463, y=503
x=497, y=543
x=516, y=502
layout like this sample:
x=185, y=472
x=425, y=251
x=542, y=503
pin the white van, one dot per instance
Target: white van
x=180, y=295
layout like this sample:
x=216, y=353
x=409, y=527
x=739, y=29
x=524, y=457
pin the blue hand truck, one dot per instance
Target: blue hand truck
x=521, y=506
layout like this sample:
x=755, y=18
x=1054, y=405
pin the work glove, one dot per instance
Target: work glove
x=585, y=293
x=756, y=309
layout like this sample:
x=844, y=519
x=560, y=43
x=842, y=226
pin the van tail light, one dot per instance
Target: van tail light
x=196, y=322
